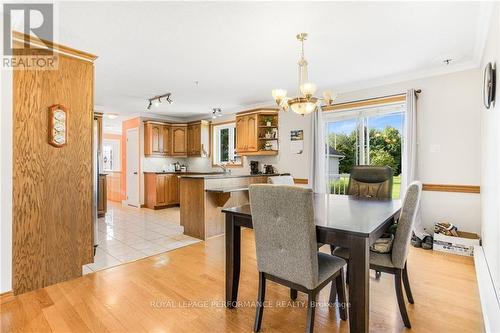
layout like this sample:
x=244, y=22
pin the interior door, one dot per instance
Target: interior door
x=132, y=184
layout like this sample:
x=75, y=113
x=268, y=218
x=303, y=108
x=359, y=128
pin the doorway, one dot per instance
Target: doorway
x=368, y=136
x=132, y=168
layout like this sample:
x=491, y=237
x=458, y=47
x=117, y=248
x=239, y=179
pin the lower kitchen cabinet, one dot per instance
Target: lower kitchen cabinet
x=161, y=190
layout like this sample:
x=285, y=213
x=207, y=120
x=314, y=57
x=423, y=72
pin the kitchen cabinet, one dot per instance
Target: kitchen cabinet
x=251, y=129
x=156, y=139
x=161, y=190
x=198, y=136
x=179, y=140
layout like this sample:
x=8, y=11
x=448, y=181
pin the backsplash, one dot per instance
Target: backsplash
x=203, y=164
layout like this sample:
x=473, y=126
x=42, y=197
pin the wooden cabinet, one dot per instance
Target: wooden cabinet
x=156, y=139
x=250, y=132
x=179, y=140
x=161, y=190
x=198, y=136
x=102, y=196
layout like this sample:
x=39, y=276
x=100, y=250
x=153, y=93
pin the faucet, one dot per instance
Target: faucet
x=224, y=168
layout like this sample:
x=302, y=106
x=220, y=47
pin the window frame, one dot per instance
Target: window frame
x=214, y=145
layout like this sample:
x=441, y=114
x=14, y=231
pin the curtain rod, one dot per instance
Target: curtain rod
x=417, y=91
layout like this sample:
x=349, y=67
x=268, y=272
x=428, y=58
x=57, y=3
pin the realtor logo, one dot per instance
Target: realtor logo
x=28, y=28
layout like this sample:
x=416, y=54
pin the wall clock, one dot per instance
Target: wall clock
x=489, y=85
x=58, y=129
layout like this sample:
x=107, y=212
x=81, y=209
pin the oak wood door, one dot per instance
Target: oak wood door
x=173, y=189
x=179, y=141
x=161, y=190
x=166, y=140
x=241, y=133
x=251, y=133
x=156, y=139
x=194, y=140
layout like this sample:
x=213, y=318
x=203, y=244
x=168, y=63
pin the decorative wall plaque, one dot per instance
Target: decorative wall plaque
x=58, y=129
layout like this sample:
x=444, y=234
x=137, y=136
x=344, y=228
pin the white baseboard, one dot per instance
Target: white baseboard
x=490, y=302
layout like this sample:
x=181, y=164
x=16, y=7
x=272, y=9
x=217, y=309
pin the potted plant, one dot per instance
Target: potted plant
x=268, y=121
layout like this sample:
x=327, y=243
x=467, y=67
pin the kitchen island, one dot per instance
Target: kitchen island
x=202, y=197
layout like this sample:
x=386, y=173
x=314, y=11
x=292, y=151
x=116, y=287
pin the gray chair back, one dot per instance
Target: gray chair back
x=281, y=180
x=370, y=182
x=285, y=233
x=409, y=211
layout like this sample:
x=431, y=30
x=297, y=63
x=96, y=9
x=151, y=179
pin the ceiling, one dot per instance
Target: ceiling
x=238, y=52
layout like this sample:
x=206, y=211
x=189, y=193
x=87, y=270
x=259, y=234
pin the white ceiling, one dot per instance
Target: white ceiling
x=240, y=51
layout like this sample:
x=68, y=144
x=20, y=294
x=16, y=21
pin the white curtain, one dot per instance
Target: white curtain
x=317, y=175
x=409, y=162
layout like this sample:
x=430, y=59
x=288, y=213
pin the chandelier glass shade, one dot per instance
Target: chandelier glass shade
x=306, y=103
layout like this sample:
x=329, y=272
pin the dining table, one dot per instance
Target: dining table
x=341, y=220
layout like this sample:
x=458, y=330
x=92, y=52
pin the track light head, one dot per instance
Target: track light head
x=149, y=106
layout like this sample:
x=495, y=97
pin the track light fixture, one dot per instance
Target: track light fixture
x=216, y=112
x=157, y=100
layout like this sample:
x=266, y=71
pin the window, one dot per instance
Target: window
x=224, y=143
x=111, y=155
x=368, y=136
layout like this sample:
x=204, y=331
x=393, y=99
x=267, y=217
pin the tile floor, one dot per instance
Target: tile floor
x=127, y=234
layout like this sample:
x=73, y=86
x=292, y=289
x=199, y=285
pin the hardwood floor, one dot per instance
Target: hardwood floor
x=157, y=294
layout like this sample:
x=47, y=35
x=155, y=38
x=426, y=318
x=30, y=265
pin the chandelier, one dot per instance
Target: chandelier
x=306, y=103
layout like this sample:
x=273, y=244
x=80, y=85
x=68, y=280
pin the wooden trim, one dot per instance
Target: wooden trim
x=24, y=39
x=223, y=122
x=6, y=297
x=366, y=102
x=451, y=188
x=271, y=110
x=301, y=181
x=42, y=43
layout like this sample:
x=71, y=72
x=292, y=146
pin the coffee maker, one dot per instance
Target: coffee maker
x=254, y=168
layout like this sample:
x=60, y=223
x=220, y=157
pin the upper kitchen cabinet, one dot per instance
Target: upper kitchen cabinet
x=179, y=140
x=257, y=132
x=198, y=136
x=156, y=138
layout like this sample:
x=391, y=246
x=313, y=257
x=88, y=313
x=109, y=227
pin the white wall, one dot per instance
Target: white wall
x=6, y=127
x=449, y=140
x=490, y=162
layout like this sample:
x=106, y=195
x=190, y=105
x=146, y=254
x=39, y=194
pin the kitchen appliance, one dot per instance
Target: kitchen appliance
x=269, y=169
x=177, y=167
x=254, y=168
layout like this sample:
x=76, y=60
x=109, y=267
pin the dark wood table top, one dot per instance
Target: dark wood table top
x=344, y=213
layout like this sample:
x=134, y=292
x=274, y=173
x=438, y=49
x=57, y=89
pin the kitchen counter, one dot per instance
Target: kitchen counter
x=203, y=196
x=229, y=175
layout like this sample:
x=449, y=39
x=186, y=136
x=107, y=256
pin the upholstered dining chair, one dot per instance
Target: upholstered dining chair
x=281, y=180
x=285, y=239
x=370, y=181
x=395, y=262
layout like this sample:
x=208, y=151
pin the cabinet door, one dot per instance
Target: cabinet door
x=194, y=140
x=252, y=131
x=160, y=190
x=156, y=139
x=173, y=189
x=179, y=141
x=166, y=140
x=241, y=134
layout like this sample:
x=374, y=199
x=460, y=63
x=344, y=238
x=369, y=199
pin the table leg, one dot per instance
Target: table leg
x=233, y=258
x=359, y=286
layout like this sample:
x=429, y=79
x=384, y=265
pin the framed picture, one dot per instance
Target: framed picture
x=489, y=85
